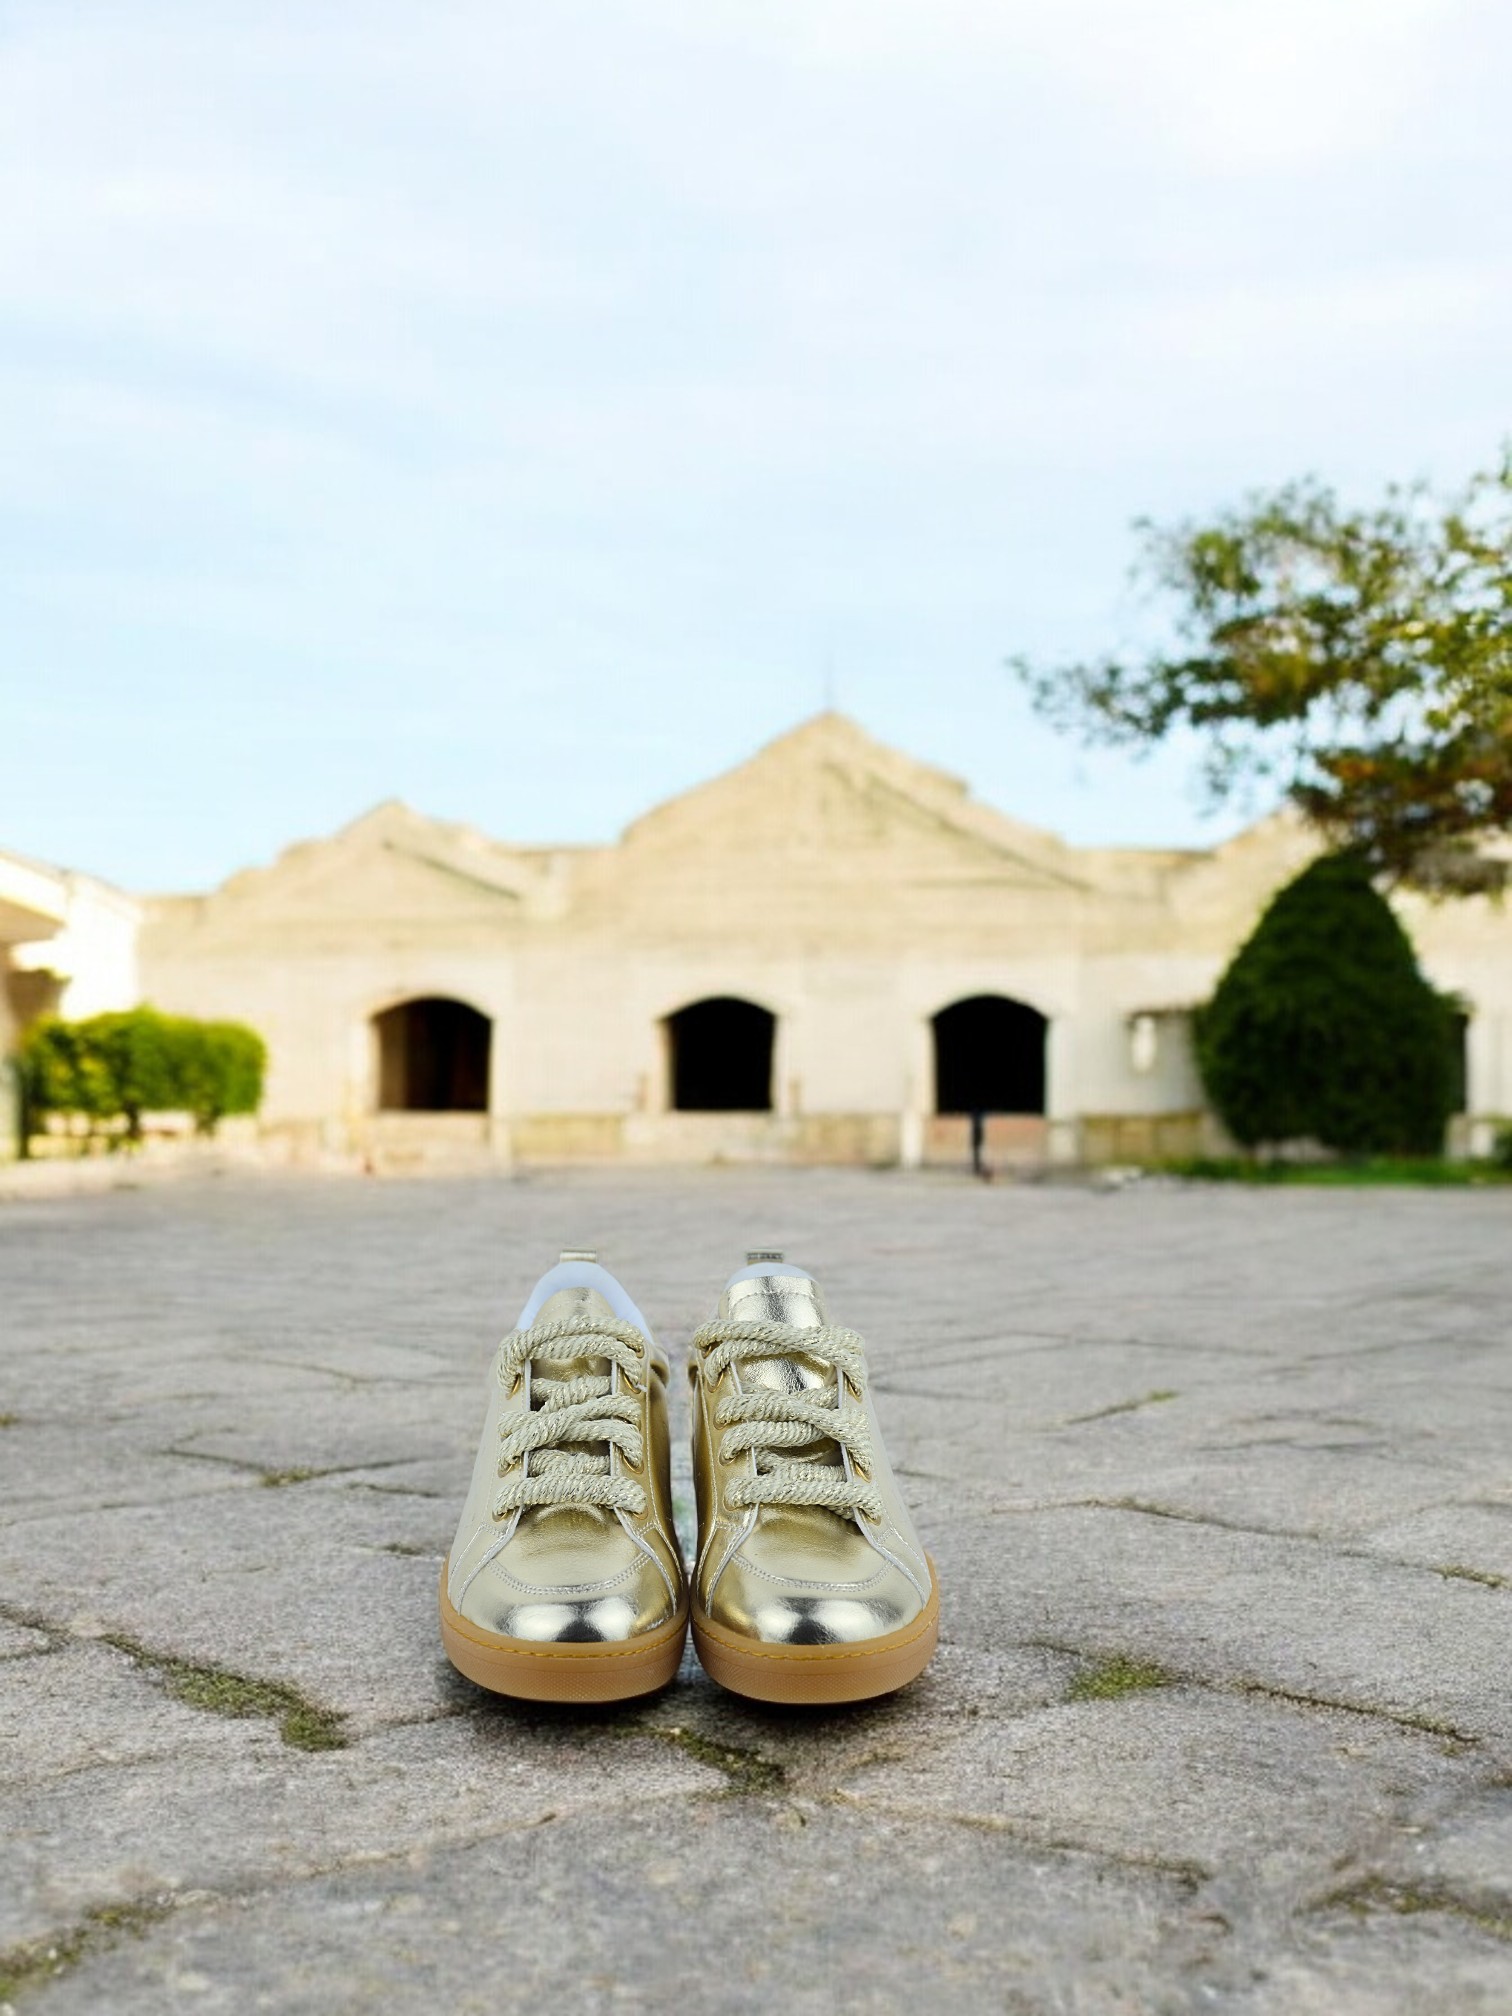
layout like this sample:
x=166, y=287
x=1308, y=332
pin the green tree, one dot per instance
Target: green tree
x=245, y=1058
x=135, y=1049
x=133, y=1061
x=1360, y=658
x=62, y=1072
x=1324, y=1029
x=218, y=1070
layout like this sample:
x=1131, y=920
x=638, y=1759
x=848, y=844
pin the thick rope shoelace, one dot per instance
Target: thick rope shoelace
x=547, y=1443
x=768, y=1421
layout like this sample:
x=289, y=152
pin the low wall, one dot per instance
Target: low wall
x=1011, y=1140
x=864, y=1139
x=400, y=1142
x=1150, y=1137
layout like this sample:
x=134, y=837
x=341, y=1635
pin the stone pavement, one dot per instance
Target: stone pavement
x=1219, y=1484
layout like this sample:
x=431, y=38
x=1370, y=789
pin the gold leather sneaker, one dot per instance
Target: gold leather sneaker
x=811, y=1584
x=565, y=1582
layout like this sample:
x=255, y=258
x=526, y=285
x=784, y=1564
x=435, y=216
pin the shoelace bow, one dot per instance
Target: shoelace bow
x=766, y=1420
x=582, y=1409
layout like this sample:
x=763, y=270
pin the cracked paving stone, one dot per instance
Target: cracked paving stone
x=1464, y=1536
x=1248, y=1794
x=1467, y=1857
x=702, y=1907
x=243, y=1420
x=1347, y=1964
x=1244, y=1609
x=224, y=1806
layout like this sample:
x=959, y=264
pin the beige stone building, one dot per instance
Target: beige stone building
x=831, y=953
x=68, y=946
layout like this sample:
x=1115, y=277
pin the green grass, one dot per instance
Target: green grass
x=1112, y=1678
x=302, y=1723
x=25, y=1967
x=1411, y=1900
x=1364, y=1171
x=746, y=1771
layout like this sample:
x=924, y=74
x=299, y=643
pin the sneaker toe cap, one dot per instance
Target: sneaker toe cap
x=772, y=1612
x=562, y=1621
x=539, y=1613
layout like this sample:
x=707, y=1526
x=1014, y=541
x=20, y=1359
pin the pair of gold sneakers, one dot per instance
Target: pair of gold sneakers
x=565, y=1581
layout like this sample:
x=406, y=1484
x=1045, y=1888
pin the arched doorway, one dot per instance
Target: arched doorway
x=1459, y=1060
x=989, y=1056
x=433, y=1057
x=720, y=1056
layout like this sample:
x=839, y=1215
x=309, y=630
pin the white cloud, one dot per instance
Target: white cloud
x=1248, y=86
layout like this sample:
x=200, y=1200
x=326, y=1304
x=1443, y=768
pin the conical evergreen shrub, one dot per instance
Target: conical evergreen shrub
x=1323, y=1028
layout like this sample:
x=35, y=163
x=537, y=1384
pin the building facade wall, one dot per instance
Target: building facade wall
x=847, y=890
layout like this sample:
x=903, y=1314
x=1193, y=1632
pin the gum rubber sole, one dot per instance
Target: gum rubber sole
x=573, y=1672
x=819, y=1674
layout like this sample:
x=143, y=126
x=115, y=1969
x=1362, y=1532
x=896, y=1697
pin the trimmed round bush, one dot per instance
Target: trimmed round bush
x=136, y=1053
x=1324, y=1030
x=118, y=1066
x=218, y=1070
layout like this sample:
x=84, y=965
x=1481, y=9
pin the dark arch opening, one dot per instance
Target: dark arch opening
x=1459, y=1060
x=989, y=1056
x=433, y=1057
x=721, y=1056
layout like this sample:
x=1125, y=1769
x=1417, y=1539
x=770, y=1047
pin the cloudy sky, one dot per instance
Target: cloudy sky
x=527, y=410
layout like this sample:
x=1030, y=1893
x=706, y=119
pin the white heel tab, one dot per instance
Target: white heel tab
x=573, y=1271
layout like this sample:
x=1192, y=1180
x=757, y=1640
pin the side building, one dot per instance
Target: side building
x=68, y=946
x=830, y=954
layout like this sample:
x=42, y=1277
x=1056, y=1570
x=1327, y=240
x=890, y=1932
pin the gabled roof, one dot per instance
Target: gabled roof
x=390, y=859
x=395, y=826
x=827, y=782
x=824, y=819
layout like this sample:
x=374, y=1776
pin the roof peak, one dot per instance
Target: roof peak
x=842, y=734
x=828, y=723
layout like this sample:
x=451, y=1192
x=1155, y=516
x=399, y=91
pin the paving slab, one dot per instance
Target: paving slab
x=1219, y=1487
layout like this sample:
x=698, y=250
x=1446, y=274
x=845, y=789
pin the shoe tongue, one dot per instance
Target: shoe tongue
x=562, y=1307
x=794, y=1299
x=779, y=1298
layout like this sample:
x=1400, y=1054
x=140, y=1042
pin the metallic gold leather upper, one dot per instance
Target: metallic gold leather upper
x=571, y=1571
x=795, y=1574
